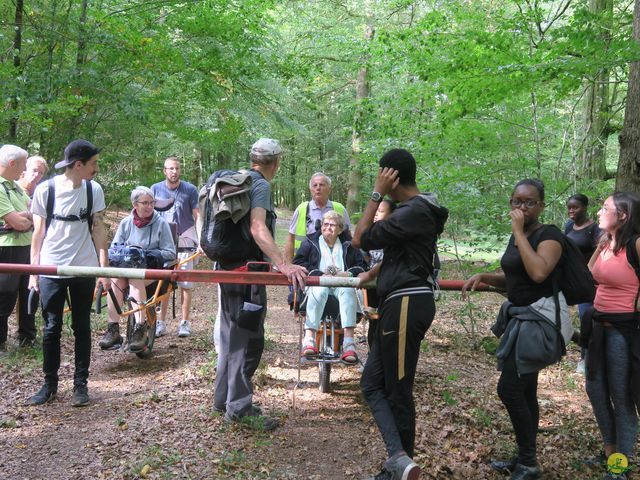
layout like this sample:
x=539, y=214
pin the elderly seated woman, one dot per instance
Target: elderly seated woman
x=146, y=229
x=328, y=252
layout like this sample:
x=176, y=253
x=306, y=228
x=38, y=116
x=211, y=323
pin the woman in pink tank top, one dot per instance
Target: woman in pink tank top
x=613, y=358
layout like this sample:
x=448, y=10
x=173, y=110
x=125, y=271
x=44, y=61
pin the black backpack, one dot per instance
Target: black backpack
x=572, y=276
x=51, y=198
x=225, y=206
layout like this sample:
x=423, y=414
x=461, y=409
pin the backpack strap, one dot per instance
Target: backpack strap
x=51, y=196
x=89, y=205
x=634, y=261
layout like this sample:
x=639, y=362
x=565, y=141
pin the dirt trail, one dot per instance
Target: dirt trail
x=154, y=418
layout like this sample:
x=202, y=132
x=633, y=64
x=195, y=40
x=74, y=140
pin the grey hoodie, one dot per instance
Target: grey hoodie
x=156, y=235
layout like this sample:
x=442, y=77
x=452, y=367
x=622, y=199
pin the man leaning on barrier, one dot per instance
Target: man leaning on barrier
x=243, y=308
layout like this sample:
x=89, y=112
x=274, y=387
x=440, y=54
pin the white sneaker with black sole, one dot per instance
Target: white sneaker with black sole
x=161, y=329
x=184, y=330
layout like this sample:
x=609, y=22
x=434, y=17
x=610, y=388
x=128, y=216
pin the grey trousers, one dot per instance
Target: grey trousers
x=242, y=310
x=610, y=395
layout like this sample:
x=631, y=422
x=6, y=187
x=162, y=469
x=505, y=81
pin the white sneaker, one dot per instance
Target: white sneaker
x=161, y=329
x=184, y=330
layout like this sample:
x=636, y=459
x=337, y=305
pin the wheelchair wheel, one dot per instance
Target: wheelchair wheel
x=324, y=369
x=151, y=334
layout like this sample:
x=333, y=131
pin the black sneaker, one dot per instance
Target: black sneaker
x=44, y=395
x=139, y=338
x=504, y=466
x=25, y=342
x=80, y=396
x=111, y=337
x=523, y=472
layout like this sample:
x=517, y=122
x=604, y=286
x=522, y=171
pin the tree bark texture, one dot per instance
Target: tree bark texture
x=362, y=93
x=17, y=47
x=628, y=177
x=598, y=104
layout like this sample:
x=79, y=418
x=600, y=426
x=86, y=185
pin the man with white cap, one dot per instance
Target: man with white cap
x=68, y=229
x=243, y=308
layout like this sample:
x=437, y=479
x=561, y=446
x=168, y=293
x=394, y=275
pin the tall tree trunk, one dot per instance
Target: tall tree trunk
x=17, y=47
x=598, y=105
x=628, y=177
x=362, y=93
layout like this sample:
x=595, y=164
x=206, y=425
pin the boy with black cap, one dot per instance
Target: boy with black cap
x=68, y=236
x=405, y=288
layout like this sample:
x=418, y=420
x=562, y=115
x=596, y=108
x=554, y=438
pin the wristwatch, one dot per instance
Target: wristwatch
x=376, y=197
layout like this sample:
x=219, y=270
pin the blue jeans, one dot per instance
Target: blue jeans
x=52, y=296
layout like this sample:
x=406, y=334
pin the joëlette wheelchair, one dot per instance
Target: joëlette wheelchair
x=156, y=292
x=329, y=337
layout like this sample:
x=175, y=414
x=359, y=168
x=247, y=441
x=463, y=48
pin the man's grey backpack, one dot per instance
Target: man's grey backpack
x=225, y=206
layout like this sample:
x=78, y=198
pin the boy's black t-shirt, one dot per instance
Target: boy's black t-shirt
x=521, y=289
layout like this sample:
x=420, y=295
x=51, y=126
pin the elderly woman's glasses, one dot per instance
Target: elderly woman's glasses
x=517, y=203
x=147, y=204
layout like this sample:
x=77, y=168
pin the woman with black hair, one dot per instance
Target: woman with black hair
x=585, y=233
x=613, y=382
x=528, y=265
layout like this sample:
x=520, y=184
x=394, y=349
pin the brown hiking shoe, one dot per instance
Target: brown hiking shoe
x=111, y=338
x=139, y=338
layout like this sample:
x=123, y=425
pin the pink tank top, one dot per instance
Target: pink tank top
x=617, y=282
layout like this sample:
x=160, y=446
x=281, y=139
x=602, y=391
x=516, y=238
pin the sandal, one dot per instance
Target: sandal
x=309, y=349
x=349, y=355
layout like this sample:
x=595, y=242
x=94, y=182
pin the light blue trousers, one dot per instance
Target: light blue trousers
x=317, y=298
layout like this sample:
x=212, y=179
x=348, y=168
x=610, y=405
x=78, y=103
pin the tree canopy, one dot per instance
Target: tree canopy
x=482, y=92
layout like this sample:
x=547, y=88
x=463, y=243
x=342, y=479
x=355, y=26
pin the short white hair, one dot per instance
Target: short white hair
x=326, y=177
x=141, y=191
x=37, y=159
x=10, y=153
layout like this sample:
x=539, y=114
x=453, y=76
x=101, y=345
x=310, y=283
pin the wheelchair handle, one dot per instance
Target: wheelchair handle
x=115, y=301
x=99, y=293
x=32, y=303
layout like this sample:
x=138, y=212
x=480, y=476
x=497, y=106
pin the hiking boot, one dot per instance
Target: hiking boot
x=139, y=337
x=253, y=420
x=223, y=409
x=80, y=396
x=111, y=337
x=184, y=330
x=504, y=466
x=522, y=472
x=402, y=467
x=44, y=395
x=161, y=328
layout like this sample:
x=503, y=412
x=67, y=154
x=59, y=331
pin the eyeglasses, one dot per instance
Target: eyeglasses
x=332, y=225
x=517, y=203
x=147, y=204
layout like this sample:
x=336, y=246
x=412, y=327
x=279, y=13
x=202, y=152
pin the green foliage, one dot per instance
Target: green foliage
x=482, y=92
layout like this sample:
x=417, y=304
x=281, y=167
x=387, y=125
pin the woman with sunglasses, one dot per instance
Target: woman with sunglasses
x=613, y=356
x=528, y=264
x=144, y=229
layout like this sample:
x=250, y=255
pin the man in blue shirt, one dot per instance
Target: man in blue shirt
x=184, y=213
